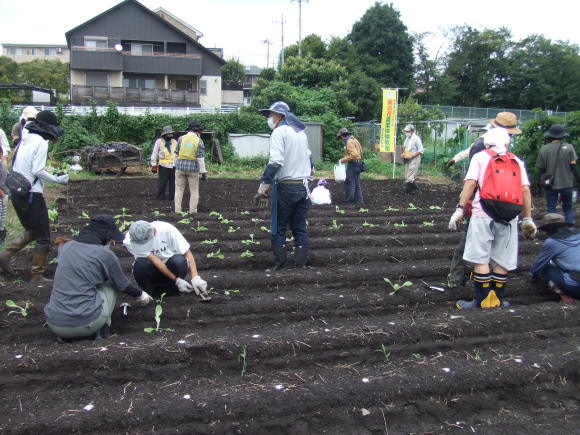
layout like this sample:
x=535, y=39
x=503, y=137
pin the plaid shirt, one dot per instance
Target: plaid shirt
x=189, y=165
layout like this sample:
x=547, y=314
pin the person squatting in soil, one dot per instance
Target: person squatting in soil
x=87, y=281
x=29, y=160
x=353, y=157
x=507, y=120
x=492, y=240
x=189, y=164
x=163, y=260
x=557, y=170
x=162, y=162
x=412, y=152
x=287, y=175
x=558, y=263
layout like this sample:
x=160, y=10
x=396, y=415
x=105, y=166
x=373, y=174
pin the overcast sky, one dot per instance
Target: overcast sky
x=241, y=26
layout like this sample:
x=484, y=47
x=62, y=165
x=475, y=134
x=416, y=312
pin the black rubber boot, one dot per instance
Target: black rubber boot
x=103, y=333
x=408, y=188
x=3, y=234
x=415, y=188
x=280, y=257
x=301, y=256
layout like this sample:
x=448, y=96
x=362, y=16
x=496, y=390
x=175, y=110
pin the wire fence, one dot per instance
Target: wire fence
x=473, y=113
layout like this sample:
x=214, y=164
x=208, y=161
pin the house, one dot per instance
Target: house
x=28, y=52
x=252, y=74
x=137, y=57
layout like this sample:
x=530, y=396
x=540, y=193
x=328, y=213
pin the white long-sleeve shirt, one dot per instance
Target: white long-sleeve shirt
x=159, y=153
x=4, y=143
x=289, y=149
x=31, y=159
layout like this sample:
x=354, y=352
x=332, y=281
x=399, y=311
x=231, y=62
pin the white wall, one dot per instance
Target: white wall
x=250, y=145
x=233, y=97
x=213, y=99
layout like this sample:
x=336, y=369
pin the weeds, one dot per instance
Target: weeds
x=216, y=254
x=246, y=254
x=250, y=241
x=23, y=311
x=243, y=358
x=384, y=351
x=396, y=287
x=334, y=225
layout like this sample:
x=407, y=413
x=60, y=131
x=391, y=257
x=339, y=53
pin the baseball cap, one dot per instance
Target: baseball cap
x=141, y=238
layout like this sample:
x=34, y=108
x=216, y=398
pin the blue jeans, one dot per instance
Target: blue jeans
x=292, y=208
x=567, y=206
x=556, y=275
x=352, y=190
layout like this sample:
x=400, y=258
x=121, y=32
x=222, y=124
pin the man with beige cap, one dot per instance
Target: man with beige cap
x=412, y=152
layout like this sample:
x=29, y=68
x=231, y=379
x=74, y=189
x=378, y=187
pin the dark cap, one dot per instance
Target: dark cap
x=556, y=131
x=107, y=223
x=194, y=125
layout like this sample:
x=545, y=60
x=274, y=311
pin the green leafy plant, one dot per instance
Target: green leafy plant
x=216, y=254
x=243, y=358
x=209, y=242
x=382, y=349
x=413, y=207
x=216, y=214
x=74, y=232
x=199, y=228
x=396, y=287
x=366, y=224
x=157, y=213
x=182, y=213
x=339, y=210
x=124, y=225
x=246, y=254
x=263, y=228
x=158, y=313
x=289, y=239
x=434, y=207
x=251, y=241
x=389, y=208
x=428, y=224
x=53, y=261
x=225, y=221
x=400, y=225
x=334, y=225
x=84, y=215
x=363, y=210
x=23, y=311
x=52, y=214
x=233, y=229
x=185, y=221
x=245, y=212
x=230, y=292
x=123, y=214
x=256, y=220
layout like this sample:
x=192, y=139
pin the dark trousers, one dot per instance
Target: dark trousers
x=457, y=268
x=154, y=282
x=556, y=275
x=352, y=189
x=292, y=209
x=166, y=180
x=33, y=215
x=567, y=206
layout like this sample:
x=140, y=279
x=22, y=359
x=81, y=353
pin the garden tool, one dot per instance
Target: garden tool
x=432, y=287
x=261, y=201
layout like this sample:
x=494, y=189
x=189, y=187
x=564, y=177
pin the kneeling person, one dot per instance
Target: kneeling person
x=163, y=260
x=87, y=279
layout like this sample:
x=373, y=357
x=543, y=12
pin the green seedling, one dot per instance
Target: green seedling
x=225, y=221
x=18, y=281
x=242, y=357
x=366, y=224
x=84, y=215
x=209, y=242
x=157, y=213
x=158, y=313
x=199, y=228
x=216, y=254
x=230, y=292
x=334, y=225
x=52, y=214
x=416, y=355
x=125, y=225
x=389, y=208
x=428, y=224
x=123, y=214
x=400, y=225
x=246, y=254
x=363, y=210
x=256, y=220
x=245, y=212
x=250, y=241
x=434, y=207
x=338, y=210
x=23, y=311
x=53, y=261
x=184, y=221
x=384, y=351
x=413, y=207
x=160, y=300
x=215, y=213
x=396, y=287
x=289, y=239
x=263, y=228
x=233, y=229
x=74, y=232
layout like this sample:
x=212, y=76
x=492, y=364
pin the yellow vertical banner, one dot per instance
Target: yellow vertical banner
x=388, y=121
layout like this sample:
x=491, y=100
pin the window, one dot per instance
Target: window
x=97, y=78
x=203, y=87
x=138, y=83
x=142, y=49
x=94, y=43
x=50, y=51
x=33, y=51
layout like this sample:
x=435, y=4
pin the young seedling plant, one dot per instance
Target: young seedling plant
x=199, y=228
x=256, y=220
x=363, y=210
x=339, y=210
x=182, y=213
x=84, y=215
x=157, y=213
x=263, y=228
x=233, y=229
x=242, y=357
x=52, y=215
x=334, y=225
x=413, y=207
x=23, y=311
x=434, y=207
x=225, y=221
x=428, y=224
x=216, y=254
x=250, y=241
x=123, y=214
x=74, y=232
x=231, y=292
x=158, y=313
x=400, y=225
x=125, y=225
x=215, y=213
x=382, y=349
x=366, y=224
x=389, y=208
x=246, y=254
x=209, y=242
x=396, y=286
x=185, y=221
x=245, y=212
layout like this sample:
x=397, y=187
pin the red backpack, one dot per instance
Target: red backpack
x=501, y=195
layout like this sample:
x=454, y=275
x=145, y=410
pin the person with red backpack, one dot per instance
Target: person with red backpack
x=502, y=191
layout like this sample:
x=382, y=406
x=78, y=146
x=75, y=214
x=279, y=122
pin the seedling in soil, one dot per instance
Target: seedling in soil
x=242, y=357
x=366, y=224
x=233, y=229
x=215, y=213
x=123, y=214
x=335, y=226
x=84, y=215
x=401, y=225
x=225, y=221
x=396, y=287
x=413, y=207
x=185, y=221
x=416, y=355
x=199, y=228
x=434, y=207
x=23, y=311
x=182, y=213
x=389, y=208
x=158, y=312
x=256, y=220
x=246, y=254
x=250, y=241
x=216, y=254
x=157, y=213
x=384, y=351
x=363, y=210
x=263, y=228
x=52, y=214
x=245, y=212
x=74, y=232
x=338, y=210
x=427, y=223
x=209, y=242
x=229, y=292
x=125, y=225
x=289, y=239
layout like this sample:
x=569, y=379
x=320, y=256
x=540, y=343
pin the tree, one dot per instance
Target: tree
x=312, y=46
x=342, y=52
x=268, y=74
x=8, y=69
x=364, y=93
x=50, y=74
x=311, y=72
x=233, y=71
x=383, y=45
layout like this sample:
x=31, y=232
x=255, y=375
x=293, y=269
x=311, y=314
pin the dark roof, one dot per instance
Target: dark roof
x=150, y=12
x=252, y=70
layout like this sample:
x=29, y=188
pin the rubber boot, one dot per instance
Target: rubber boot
x=3, y=234
x=103, y=333
x=408, y=188
x=484, y=295
x=11, y=249
x=38, y=267
x=499, y=281
x=301, y=256
x=415, y=187
x=280, y=257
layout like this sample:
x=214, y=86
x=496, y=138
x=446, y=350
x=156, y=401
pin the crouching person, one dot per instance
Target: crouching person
x=558, y=264
x=86, y=283
x=163, y=260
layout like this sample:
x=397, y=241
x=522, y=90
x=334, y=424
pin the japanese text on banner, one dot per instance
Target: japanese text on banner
x=389, y=121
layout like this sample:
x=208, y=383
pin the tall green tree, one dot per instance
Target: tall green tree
x=312, y=46
x=233, y=71
x=311, y=72
x=50, y=74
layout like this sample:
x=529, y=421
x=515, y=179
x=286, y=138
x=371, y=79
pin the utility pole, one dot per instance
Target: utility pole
x=281, y=22
x=300, y=25
x=267, y=41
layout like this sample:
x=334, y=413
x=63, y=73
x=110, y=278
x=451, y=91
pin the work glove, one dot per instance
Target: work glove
x=199, y=286
x=144, y=299
x=263, y=190
x=455, y=219
x=62, y=179
x=449, y=163
x=529, y=229
x=204, y=176
x=154, y=169
x=183, y=286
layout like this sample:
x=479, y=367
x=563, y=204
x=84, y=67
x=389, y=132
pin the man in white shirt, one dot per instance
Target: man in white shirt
x=412, y=152
x=163, y=259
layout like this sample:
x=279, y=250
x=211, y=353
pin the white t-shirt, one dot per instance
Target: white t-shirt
x=168, y=241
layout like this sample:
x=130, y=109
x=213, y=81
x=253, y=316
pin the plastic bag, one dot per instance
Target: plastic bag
x=340, y=173
x=320, y=196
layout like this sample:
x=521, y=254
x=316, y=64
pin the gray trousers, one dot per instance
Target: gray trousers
x=109, y=297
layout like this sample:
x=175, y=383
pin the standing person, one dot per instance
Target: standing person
x=86, y=283
x=18, y=129
x=163, y=259
x=162, y=161
x=4, y=147
x=557, y=264
x=288, y=172
x=353, y=158
x=463, y=154
x=3, y=199
x=557, y=169
x=493, y=233
x=189, y=163
x=412, y=152
x=29, y=160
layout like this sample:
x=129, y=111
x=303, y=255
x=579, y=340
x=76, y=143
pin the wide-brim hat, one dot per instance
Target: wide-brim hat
x=508, y=121
x=553, y=220
x=342, y=131
x=141, y=237
x=279, y=107
x=166, y=130
x=194, y=125
x=556, y=131
x=29, y=112
x=107, y=223
x=409, y=127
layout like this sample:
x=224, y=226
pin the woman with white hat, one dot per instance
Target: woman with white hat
x=162, y=162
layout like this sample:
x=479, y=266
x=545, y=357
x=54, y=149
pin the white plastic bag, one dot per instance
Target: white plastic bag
x=340, y=173
x=320, y=196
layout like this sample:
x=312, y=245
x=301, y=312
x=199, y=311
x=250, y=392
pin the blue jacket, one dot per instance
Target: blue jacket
x=564, y=252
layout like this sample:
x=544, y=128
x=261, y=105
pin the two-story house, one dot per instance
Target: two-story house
x=135, y=56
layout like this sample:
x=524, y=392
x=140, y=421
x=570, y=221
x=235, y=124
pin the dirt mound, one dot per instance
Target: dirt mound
x=329, y=349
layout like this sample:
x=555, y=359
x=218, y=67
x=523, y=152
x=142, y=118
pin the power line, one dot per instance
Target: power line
x=267, y=41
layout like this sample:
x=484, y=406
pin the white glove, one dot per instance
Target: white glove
x=201, y=163
x=183, y=286
x=62, y=179
x=263, y=190
x=144, y=299
x=199, y=286
x=455, y=219
x=529, y=228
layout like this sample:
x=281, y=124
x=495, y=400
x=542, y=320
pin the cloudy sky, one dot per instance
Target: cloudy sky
x=242, y=26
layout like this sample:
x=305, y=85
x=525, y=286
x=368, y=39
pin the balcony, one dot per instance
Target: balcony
x=134, y=97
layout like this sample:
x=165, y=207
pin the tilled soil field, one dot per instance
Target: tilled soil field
x=328, y=349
